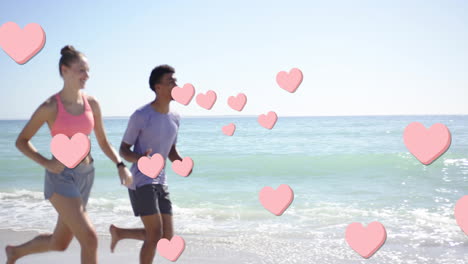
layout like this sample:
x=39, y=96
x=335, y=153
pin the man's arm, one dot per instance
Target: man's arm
x=173, y=154
x=126, y=153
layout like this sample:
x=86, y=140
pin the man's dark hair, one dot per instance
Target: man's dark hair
x=157, y=73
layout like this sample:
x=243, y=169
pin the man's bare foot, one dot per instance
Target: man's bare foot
x=11, y=257
x=115, y=237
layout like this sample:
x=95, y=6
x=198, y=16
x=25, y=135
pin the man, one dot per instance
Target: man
x=151, y=129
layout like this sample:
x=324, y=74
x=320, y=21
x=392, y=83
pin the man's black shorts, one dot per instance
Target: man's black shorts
x=150, y=199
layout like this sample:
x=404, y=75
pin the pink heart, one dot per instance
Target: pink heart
x=183, y=95
x=366, y=241
x=171, y=250
x=151, y=167
x=276, y=201
x=268, y=121
x=427, y=145
x=21, y=44
x=290, y=82
x=183, y=167
x=206, y=101
x=70, y=151
x=461, y=213
x=229, y=129
x=238, y=102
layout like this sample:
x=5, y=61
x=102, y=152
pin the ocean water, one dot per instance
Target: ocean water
x=341, y=169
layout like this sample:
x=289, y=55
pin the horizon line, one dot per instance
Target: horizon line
x=250, y=116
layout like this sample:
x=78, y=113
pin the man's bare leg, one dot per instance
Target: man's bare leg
x=168, y=227
x=125, y=233
x=153, y=229
x=118, y=233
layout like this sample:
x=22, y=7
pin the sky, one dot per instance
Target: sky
x=358, y=57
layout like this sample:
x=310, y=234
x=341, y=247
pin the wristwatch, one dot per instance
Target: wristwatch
x=121, y=164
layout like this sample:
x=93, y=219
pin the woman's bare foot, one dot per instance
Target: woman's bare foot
x=115, y=237
x=11, y=256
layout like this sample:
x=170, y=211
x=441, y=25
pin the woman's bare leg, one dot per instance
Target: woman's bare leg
x=72, y=212
x=58, y=241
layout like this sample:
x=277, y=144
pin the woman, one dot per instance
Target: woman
x=68, y=112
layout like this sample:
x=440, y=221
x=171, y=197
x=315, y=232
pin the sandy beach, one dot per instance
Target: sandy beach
x=127, y=251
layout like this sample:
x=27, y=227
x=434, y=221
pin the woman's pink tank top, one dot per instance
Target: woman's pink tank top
x=69, y=124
